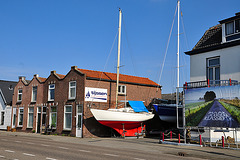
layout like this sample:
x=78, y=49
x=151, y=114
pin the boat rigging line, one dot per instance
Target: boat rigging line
x=106, y=63
x=165, y=54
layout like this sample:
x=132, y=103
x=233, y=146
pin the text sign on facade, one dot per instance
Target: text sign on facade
x=95, y=94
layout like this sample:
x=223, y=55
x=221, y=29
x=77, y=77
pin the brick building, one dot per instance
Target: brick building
x=60, y=101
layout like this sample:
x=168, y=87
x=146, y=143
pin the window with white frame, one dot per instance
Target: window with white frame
x=72, y=90
x=20, y=117
x=19, y=95
x=122, y=89
x=232, y=27
x=213, y=69
x=51, y=92
x=34, y=93
x=53, y=117
x=68, y=117
x=30, y=117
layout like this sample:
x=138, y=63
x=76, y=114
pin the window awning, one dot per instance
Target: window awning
x=138, y=106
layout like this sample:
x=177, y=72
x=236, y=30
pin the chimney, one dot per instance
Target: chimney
x=53, y=72
x=21, y=78
x=74, y=68
x=237, y=14
x=36, y=75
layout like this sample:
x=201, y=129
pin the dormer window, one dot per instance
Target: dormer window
x=232, y=27
x=237, y=25
x=229, y=28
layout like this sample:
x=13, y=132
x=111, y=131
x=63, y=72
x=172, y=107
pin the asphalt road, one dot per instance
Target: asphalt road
x=24, y=146
x=218, y=116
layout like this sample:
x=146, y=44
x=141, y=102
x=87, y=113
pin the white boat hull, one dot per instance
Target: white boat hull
x=125, y=123
x=109, y=115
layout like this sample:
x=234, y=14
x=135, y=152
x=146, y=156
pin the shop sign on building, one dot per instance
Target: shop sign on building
x=95, y=94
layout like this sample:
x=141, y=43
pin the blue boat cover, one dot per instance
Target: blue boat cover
x=138, y=106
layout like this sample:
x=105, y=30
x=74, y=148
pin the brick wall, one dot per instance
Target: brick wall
x=91, y=128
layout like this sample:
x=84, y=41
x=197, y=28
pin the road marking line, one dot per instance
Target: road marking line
x=3, y=139
x=18, y=141
x=1, y=156
x=9, y=151
x=139, y=159
x=30, y=143
x=84, y=151
x=51, y=158
x=27, y=154
x=113, y=155
x=46, y=145
x=63, y=147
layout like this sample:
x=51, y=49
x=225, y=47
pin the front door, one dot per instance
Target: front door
x=39, y=109
x=79, y=120
x=44, y=116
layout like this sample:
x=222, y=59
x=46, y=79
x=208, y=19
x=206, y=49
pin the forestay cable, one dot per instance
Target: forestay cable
x=160, y=76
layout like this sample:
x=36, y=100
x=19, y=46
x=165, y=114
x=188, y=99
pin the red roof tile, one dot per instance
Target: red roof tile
x=41, y=79
x=61, y=76
x=94, y=74
x=113, y=76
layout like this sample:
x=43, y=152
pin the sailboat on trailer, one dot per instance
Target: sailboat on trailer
x=126, y=121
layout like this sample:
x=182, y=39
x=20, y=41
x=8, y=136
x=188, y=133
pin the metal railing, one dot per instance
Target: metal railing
x=210, y=83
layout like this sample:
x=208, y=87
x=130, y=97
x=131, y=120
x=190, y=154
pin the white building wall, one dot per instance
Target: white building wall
x=2, y=109
x=229, y=64
x=216, y=136
x=7, y=114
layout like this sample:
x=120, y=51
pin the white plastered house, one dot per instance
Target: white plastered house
x=216, y=56
x=6, y=93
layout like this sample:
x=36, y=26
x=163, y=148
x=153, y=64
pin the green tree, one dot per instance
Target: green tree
x=209, y=96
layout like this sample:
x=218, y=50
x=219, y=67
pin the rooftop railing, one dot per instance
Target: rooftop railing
x=210, y=83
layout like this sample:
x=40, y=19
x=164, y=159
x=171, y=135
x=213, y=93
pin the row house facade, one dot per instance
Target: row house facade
x=61, y=102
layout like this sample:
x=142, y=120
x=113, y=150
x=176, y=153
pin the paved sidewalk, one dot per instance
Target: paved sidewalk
x=149, y=145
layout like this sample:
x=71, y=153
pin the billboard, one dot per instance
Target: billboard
x=95, y=94
x=217, y=106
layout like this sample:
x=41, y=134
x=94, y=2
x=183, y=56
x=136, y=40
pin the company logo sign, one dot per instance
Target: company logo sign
x=95, y=94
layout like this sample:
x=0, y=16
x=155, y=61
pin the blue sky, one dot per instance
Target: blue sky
x=225, y=92
x=37, y=37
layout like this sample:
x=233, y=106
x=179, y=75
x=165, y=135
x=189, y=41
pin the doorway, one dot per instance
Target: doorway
x=79, y=116
x=39, y=111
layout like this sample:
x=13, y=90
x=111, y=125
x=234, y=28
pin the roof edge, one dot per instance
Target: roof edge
x=212, y=48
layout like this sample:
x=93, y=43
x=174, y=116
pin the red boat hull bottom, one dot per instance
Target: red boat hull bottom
x=128, y=129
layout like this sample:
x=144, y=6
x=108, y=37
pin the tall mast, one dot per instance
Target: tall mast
x=178, y=46
x=118, y=62
x=177, y=90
